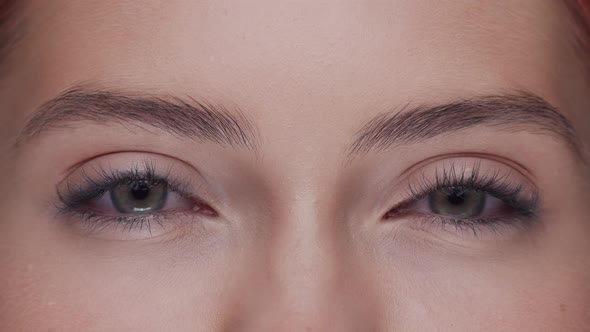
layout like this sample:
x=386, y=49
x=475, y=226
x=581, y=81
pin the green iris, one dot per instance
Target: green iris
x=139, y=197
x=457, y=202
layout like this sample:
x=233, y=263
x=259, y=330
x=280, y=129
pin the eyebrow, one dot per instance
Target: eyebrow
x=11, y=29
x=192, y=119
x=579, y=11
x=520, y=111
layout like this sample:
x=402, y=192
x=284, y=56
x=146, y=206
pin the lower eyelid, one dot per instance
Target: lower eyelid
x=467, y=233
x=137, y=227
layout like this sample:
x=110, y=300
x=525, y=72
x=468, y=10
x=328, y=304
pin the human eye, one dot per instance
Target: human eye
x=130, y=199
x=469, y=195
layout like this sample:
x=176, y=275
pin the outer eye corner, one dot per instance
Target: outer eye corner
x=206, y=210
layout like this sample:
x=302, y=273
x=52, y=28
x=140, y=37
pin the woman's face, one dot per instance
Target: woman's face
x=305, y=165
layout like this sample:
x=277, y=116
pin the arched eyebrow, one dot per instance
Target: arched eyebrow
x=11, y=29
x=184, y=118
x=579, y=11
x=206, y=121
x=519, y=111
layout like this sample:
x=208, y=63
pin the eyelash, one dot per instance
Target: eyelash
x=73, y=200
x=524, y=209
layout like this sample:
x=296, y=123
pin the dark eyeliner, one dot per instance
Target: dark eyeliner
x=522, y=207
x=74, y=199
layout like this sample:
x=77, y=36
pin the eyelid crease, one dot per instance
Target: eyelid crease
x=450, y=177
x=147, y=156
x=94, y=186
x=520, y=168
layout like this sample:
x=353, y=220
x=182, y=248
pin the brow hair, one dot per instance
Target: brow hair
x=514, y=112
x=580, y=14
x=188, y=118
x=11, y=27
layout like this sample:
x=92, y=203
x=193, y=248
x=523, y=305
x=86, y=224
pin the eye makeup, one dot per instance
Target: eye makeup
x=470, y=194
x=135, y=193
x=130, y=197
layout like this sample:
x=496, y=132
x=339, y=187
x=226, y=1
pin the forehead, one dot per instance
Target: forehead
x=307, y=63
x=358, y=45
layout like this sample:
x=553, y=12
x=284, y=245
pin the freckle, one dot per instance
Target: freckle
x=562, y=307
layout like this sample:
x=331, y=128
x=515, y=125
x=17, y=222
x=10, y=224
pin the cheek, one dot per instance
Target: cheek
x=35, y=293
x=55, y=282
x=466, y=301
x=428, y=287
x=554, y=301
x=104, y=296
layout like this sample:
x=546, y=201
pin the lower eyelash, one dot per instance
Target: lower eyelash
x=476, y=226
x=91, y=222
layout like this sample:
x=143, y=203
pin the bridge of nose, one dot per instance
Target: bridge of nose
x=311, y=279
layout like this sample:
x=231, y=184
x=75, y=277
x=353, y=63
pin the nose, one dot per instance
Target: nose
x=311, y=280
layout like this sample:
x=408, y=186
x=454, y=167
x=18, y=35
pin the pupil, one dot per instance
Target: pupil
x=140, y=190
x=456, y=197
x=139, y=196
x=457, y=202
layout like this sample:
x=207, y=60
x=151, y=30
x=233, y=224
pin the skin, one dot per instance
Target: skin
x=300, y=242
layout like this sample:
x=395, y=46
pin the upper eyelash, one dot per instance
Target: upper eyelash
x=493, y=183
x=95, y=186
x=73, y=199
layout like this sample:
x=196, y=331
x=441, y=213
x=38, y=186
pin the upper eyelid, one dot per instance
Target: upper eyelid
x=518, y=167
x=131, y=160
x=145, y=156
x=211, y=196
x=104, y=176
x=495, y=183
x=450, y=176
x=109, y=179
x=398, y=192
